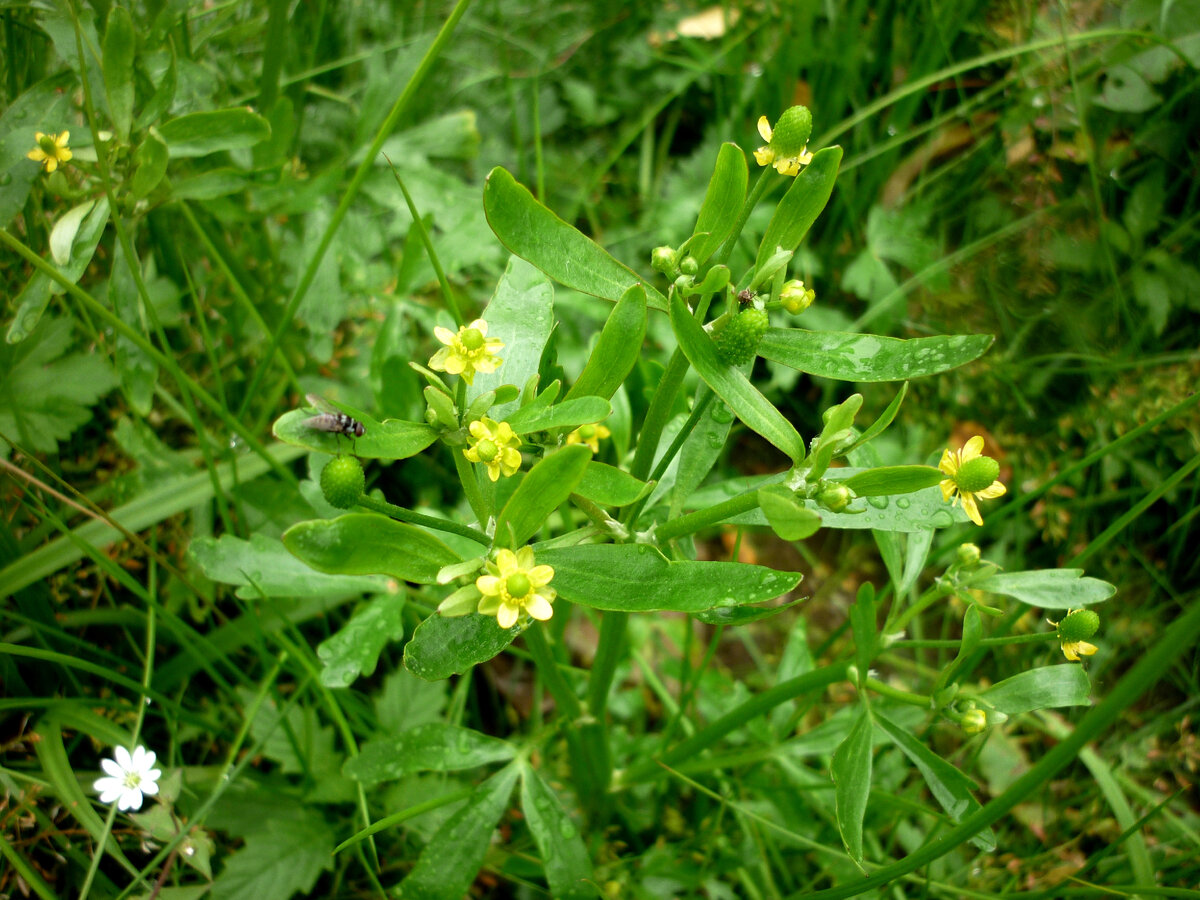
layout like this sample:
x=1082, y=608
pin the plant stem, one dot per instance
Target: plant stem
x=414, y=518
x=705, y=518
x=886, y=690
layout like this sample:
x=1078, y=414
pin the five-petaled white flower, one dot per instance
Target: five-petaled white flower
x=129, y=777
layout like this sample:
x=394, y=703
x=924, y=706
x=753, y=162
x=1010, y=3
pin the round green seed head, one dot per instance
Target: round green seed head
x=1078, y=625
x=977, y=474
x=486, y=450
x=518, y=585
x=472, y=339
x=792, y=131
x=342, y=482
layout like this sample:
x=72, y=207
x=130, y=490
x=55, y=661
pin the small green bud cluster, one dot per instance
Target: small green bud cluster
x=342, y=482
x=665, y=260
x=737, y=341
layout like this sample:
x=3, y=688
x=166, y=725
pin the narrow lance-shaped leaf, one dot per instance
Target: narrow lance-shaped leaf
x=369, y=544
x=852, y=783
x=869, y=357
x=547, y=485
x=536, y=234
x=1049, y=588
x=120, y=42
x=722, y=202
x=568, y=414
x=564, y=855
x=617, y=349
x=789, y=518
x=201, y=133
x=755, y=410
x=453, y=856
x=1044, y=688
x=432, y=747
x=801, y=205
x=892, y=480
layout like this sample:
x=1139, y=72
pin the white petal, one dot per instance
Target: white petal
x=124, y=760
x=112, y=768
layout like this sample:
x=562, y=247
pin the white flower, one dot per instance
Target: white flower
x=129, y=777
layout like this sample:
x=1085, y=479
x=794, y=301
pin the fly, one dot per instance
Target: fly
x=332, y=420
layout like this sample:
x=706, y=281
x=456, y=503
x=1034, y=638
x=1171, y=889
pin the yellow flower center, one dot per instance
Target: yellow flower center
x=976, y=474
x=518, y=585
x=472, y=339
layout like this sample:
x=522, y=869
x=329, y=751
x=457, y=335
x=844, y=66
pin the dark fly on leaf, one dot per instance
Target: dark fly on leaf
x=333, y=420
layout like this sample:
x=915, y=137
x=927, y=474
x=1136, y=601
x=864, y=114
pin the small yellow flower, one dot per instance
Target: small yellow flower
x=467, y=352
x=787, y=143
x=796, y=297
x=974, y=721
x=591, y=435
x=1076, y=625
x=495, y=445
x=51, y=149
x=970, y=476
x=515, y=585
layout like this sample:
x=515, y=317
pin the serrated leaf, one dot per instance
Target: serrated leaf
x=1049, y=588
x=213, y=131
x=564, y=855
x=441, y=647
x=1048, y=687
x=544, y=487
x=390, y=439
x=434, y=747
x=950, y=787
x=617, y=349
x=263, y=567
x=731, y=385
x=521, y=314
x=454, y=855
x=354, y=649
x=406, y=701
x=369, y=544
x=800, y=206
x=637, y=577
x=869, y=357
x=851, y=771
x=536, y=234
x=284, y=857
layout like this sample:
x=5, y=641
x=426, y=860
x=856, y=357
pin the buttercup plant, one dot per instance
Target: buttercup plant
x=546, y=534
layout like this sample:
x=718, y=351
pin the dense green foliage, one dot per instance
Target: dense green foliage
x=782, y=661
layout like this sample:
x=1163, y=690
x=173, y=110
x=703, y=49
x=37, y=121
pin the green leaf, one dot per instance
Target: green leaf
x=788, y=517
x=891, y=480
x=801, y=205
x=283, y=857
x=972, y=634
x=210, y=185
x=120, y=44
x=1049, y=588
x=434, y=747
x=869, y=357
x=442, y=647
x=139, y=371
x=454, y=855
x=866, y=631
x=369, y=544
x=354, y=650
x=45, y=107
x=295, y=738
x=701, y=449
x=638, y=578
x=62, y=235
x=45, y=396
x=610, y=486
x=741, y=615
x=732, y=386
x=201, y=133
x=879, y=426
x=950, y=787
x=264, y=568
x=536, y=234
x=722, y=202
x=164, y=94
x=1045, y=688
x=150, y=159
x=568, y=414
x=617, y=350
x=540, y=492
x=391, y=439
x=521, y=314
x=852, y=783
x=564, y=855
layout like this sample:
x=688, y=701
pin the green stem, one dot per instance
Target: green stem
x=658, y=414
x=447, y=293
x=415, y=518
x=886, y=690
x=688, y=427
x=470, y=486
x=756, y=193
x=706, y=518
x=986, y=642
x=608, y=653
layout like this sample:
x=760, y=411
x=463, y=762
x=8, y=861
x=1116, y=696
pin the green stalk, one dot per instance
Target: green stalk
x=756, y=193
x=360, y=175
x=657, y=415
x=427, y=242
x=415, y=518
x=706, y=518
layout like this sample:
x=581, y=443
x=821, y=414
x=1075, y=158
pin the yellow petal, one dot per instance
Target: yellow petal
x=539, y=608
x=995, y=489
x=540, y=575
x=36, y=154
x=445, y=335
x=479, y=325
x=62, y=139
x=507, y=614
x=488, y=584
x=1069, y=652
x=971, y=449
x=972, y=511
x=507, y=562
x=764, y=155
x=948, y=464
x=764, y=128
x=525, y=557
x=948, y=488
x=51, y=163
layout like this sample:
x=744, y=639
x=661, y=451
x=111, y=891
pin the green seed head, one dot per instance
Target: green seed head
x=977, y=474
x=342, y=482
x=587, y=432
x=47, y=145
x=518, y=585
x=486, y=450
x=1078, y=625
x=738, y=341
x=792, y=131
x=472, y=339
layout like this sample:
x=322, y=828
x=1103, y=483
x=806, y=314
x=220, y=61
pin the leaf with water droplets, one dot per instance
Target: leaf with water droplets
x=433, y=747
x=564, y=856
x=1049, y=588
x=869, y=357
x=354, y=649
x=442, y=647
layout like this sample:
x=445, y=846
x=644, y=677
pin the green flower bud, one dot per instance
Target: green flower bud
x=796, y=297
x=665, y=260
x=342, y=482
x=974, y=721
x=835, y=497
x=969, y=555
x=689, y=266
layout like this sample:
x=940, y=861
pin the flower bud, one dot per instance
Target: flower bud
x=665, y=260
x=796, y=297
x=969, y=555
x=835, y=497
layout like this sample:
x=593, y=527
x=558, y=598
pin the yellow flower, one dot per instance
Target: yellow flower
x=796, y=297
x=496, y=446
x=1076, y=625
x=516, y=585
x=970, y=476
x=591, y=435
x=787, y=143
x=467, y=352
x=51, y=149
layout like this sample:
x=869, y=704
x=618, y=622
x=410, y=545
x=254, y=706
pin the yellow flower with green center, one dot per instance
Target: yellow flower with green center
x=1075, y=626
x=591, y=435
x=468, y=351
x=514, y=585
x=495, y=445
x=51, y=149
x=787, y=142
x=970, y=476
